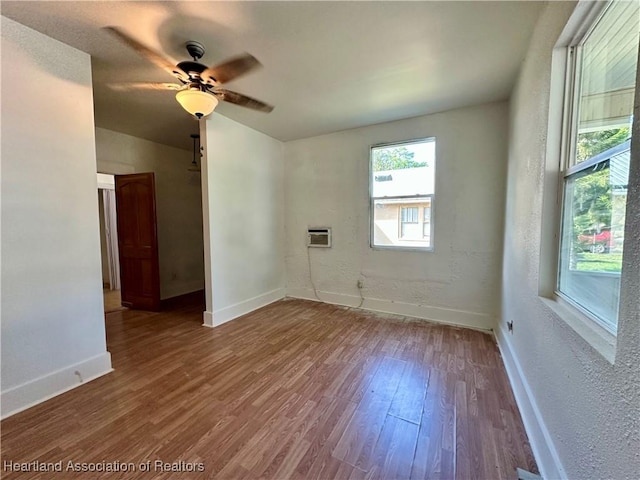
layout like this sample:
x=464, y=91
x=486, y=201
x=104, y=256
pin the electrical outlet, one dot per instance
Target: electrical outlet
x=510, y=326
x=360, y=284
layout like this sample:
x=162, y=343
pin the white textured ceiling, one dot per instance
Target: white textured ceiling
x=328, y=66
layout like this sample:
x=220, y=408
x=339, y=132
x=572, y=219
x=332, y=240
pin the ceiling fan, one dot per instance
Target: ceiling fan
x=200, y=88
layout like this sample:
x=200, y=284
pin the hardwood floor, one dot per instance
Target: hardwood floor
x=296, y=390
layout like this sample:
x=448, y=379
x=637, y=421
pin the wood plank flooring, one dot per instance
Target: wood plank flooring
x=296, y=390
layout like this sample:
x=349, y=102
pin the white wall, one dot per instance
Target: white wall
x=582, y=412
x=178, y=203
x=52, y=311
x=327, y=184
x=244, y=229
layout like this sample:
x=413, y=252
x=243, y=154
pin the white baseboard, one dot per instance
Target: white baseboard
x=224, y=315
x=36, y=391
x=541, y=442
x=463, y=318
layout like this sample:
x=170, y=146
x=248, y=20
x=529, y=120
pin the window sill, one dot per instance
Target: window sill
x=603, y=341
x=402, y=248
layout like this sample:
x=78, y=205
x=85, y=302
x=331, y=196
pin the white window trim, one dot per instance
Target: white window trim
x=372, y=199
x=577, y=318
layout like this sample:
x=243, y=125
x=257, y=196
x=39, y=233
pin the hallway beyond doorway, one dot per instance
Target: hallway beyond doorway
x=112, y=301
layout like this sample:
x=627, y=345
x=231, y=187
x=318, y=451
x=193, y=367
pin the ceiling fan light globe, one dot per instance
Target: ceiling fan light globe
x=196, y=102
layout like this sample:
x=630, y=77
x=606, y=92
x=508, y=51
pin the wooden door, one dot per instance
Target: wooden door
x=138, y=241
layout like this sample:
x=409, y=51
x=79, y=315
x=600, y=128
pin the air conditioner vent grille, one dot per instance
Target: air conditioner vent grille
x=319, y=237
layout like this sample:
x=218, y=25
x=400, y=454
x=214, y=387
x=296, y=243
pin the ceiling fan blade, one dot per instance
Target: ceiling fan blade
x=125, y=87
x=242, y=100
x=232, y=68
x=151, y=55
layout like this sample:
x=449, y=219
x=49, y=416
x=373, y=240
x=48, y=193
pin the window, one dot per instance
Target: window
x=402, y=180
x=601, y=85
x=409, y=214
x=408, y=222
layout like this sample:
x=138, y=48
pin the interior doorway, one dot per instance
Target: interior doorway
x=137, y=236
x=109, y=243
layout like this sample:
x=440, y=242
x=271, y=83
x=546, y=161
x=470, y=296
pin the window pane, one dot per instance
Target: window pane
x=607, y=81
x=396, y=222
x=593, y=238
x=404, y=169
x=402, y=187
x=595, y=194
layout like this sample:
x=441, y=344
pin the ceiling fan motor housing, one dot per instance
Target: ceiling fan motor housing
x=190, y=67
x=193, y=68
x=195, y=49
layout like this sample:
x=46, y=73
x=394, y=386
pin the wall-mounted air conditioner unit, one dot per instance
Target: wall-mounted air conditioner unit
x=319, y=237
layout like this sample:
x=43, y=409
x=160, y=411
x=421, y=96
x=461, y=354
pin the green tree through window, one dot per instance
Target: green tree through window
x=592, y=202
x=394, y=159
x=592, y=143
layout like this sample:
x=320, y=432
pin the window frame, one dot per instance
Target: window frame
x=372, y=200
x=577, y=315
